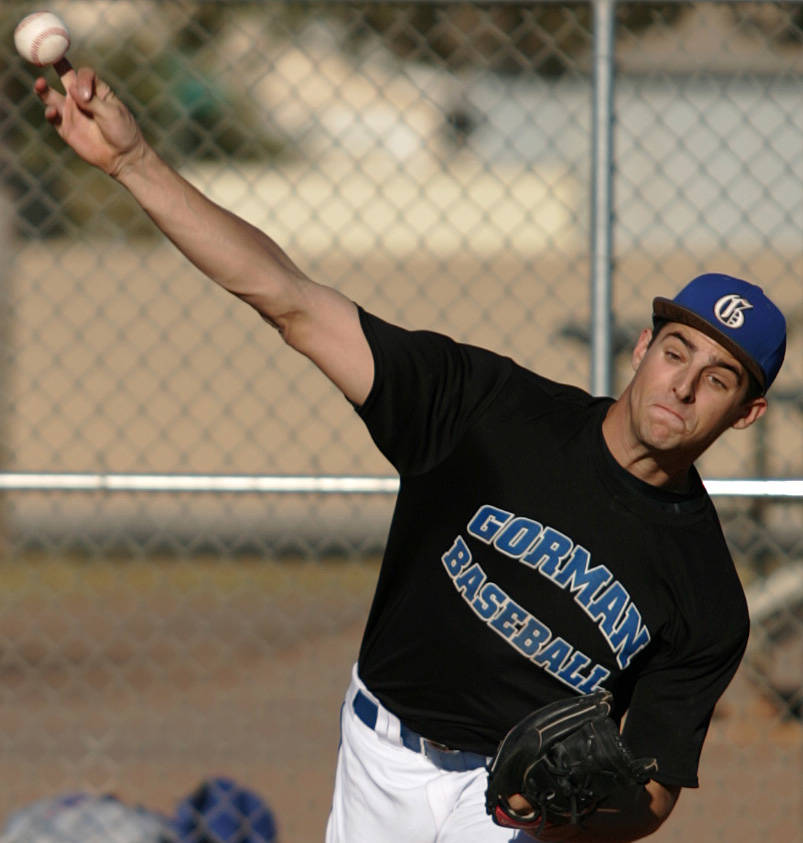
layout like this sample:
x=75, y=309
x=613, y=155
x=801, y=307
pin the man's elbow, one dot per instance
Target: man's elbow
x=626, y=816
x=650, y=807
x=663, y=799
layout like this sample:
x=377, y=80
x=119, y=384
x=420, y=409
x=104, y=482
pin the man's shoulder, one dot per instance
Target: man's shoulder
x=554, y=396
x=522, y=380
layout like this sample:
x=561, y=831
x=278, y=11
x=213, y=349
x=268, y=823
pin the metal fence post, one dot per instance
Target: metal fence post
x=601, y=198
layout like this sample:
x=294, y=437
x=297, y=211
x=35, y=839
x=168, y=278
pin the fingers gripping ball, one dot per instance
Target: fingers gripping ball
x=563, y=759
x=42, y=38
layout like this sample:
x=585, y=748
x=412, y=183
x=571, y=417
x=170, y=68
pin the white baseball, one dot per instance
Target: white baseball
x=42, y=38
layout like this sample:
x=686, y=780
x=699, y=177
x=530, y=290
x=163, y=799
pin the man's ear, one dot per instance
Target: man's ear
x=750, y=413
x=640, y=348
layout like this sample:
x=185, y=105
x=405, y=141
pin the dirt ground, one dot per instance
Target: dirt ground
x=143, y=679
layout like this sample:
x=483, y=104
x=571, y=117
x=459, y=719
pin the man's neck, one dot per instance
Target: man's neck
x=663, y=470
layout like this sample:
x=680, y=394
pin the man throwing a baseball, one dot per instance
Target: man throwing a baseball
x=550, y=552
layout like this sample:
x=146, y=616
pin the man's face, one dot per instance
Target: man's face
x=687, y=390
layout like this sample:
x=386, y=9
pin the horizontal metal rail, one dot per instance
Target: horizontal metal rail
x=484, y=2
x=305, y=484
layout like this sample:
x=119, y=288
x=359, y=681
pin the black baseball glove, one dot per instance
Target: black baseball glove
x=563, y=759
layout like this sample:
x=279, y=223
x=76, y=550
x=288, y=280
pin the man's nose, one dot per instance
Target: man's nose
x=685, y=386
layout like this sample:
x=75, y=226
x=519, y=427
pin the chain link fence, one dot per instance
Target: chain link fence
x=434, y=161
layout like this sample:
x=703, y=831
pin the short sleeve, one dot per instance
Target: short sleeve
x=674, y=699
x=427, y=390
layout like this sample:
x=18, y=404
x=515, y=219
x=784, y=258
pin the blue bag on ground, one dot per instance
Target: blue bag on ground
x=221, y=811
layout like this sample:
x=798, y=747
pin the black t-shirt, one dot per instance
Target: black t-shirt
x=524, y=564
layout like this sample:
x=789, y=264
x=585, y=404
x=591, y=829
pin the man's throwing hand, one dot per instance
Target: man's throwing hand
x=91, y=119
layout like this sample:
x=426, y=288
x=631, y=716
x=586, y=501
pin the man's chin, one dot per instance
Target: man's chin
x=663, y=438
x=664, y=426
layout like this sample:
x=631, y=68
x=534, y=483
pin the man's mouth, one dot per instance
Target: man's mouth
x=670, y=412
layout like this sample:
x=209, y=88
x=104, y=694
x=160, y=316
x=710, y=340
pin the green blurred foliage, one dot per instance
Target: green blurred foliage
x=173, y=95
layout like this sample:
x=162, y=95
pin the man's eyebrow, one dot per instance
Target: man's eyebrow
x=716, y=361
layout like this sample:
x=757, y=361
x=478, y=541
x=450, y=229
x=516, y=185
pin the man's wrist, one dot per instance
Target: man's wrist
x=140, y=164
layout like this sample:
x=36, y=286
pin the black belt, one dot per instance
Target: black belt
x=449, y=759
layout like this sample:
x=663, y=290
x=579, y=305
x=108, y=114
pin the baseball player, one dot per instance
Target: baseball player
x=547, y=546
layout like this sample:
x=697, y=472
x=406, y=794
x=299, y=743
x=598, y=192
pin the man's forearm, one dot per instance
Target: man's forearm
x=229, y=250
x=628, y=815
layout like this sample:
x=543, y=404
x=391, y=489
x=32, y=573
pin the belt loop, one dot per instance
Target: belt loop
x=410, y=739
x=365, y=709
x=384, y=723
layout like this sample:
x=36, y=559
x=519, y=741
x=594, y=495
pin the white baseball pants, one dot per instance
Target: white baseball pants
x=392, y=787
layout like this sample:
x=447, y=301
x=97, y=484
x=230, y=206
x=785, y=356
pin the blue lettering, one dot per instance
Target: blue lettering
x=629, y=637
x=505, y=622
x=486, y=604
x=457, y=557
x=608, y=607
x=549, y=551
x=519, y=534
x=576, y=574
x=470, y=581
x=603, y=598
x=598, y=674
x=552, y=656
x=570, y=672
x=487, y=522
x=532, y=635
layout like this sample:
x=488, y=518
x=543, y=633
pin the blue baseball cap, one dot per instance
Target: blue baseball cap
x=737, y=315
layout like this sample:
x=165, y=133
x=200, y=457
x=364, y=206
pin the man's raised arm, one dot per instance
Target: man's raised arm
x=314, y=319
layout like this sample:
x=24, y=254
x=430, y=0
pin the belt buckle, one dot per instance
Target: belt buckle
x=440, y=747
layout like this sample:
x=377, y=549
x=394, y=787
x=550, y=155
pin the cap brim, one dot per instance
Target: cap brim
x=673, y=312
